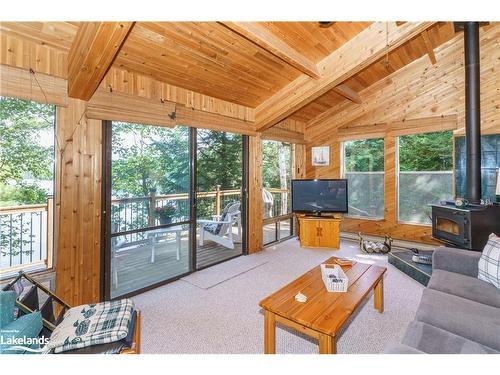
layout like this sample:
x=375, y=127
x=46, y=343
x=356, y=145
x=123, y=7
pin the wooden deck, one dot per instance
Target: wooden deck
x=135, y=269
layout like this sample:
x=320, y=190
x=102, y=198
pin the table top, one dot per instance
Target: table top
x=176, y=228
x=324, y=311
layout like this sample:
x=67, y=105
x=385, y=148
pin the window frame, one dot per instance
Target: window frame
x=48, y=269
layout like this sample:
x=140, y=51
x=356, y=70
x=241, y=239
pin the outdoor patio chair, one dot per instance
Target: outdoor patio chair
x=221, y=231
x=268, y=199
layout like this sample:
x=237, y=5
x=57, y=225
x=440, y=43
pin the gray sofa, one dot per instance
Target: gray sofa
x=458, y=313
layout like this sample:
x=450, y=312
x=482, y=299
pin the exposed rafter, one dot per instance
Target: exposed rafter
x=92, y=52
x=263, y=38
x=348, y=93
x=364, y=49
x=428, y=46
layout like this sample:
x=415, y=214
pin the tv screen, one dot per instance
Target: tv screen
x=316, y=196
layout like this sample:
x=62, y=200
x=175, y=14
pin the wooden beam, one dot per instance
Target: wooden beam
x=428, y=46
x=284, y=135
x=348, y=93
x=358, y=53
x=199, y=119
x=118, y=106
x=271, y=43
x=94, y=49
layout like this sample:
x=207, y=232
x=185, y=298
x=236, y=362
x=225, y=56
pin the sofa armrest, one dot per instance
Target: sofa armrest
x=464, y=262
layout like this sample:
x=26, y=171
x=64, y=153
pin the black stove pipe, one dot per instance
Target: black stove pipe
x=472, y=112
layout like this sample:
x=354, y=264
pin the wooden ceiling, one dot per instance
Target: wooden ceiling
x=400, y=57
x=215, y=59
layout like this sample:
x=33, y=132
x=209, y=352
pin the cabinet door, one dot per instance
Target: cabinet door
x=309, y=233
x=329, y=233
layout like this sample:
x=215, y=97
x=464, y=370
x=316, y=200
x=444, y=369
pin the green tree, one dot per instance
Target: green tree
x=426, y=152
x=23, y=155
x=364, y=155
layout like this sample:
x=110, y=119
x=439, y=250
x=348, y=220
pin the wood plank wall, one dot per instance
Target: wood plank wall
x=26, y=54
x=255, y=205
x=78, y=204
x=418, y=98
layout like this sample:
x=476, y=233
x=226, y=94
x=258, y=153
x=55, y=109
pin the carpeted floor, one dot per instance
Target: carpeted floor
x=183, y=318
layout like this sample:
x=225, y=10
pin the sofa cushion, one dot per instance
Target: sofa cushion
x=465, y=286
x=433, y=340
x=25, y=328
x=489, y=263
x=473, y=320
x=401, y=349
x=7, y=303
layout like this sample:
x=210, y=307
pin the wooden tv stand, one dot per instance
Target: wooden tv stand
x=319, y=232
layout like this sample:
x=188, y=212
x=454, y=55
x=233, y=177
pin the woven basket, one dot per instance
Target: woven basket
x=339, y=283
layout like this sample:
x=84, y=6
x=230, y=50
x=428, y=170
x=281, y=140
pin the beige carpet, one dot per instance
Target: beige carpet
x=215, y=275
x=226, y=318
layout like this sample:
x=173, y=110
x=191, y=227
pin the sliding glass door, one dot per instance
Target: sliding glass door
x=219, y=196
x=174, y=203
x=149, y=203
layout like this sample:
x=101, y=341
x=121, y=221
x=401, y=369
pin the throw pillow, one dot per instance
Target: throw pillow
x=26, y=328
x=489, y=263
x=7, y=304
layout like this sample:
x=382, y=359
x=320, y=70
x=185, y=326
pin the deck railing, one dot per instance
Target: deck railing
x=26, y=232
x=26, y=237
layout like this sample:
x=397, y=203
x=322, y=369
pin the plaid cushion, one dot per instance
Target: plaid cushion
x=489, y=263
x=94, y=324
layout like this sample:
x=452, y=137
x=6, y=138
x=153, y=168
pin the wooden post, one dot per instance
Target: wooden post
x=378, y=296
x=152, y=206
x=269, y=332
x=50, y=232
x=217, y=200
x=255, y=208
x=327, y=344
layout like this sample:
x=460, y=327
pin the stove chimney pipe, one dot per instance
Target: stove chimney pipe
x=472, y=112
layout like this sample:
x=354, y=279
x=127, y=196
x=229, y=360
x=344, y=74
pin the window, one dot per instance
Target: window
x=364, y=171
x=26, y=185
x=276, y=176
x=490, y=162
x=425, y=174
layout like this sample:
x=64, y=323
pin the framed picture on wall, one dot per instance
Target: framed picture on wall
x=320, y=156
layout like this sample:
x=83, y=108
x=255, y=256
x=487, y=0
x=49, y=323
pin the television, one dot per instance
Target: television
x=319, y=196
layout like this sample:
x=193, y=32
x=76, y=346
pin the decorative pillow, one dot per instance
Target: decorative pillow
x=489, y=263
x=7, y=303
x=93, y=324
x=18, y=336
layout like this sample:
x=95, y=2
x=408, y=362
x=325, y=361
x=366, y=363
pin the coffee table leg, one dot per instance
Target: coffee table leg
x=378, y=296
x=269, y=332
x=327, y=344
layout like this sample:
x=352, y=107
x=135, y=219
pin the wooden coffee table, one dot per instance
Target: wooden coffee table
x=324, y=313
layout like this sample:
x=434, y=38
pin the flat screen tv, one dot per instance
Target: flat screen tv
x=319, y=196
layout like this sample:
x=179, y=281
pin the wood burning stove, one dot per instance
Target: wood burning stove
x=469, y=227
x=465, y=228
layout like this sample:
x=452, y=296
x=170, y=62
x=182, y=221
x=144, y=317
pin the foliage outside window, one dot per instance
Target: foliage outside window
x=26, y=178
x=276, y=175
x=425, y=174
x=364, y=170
x=150, y=170
x=219, y=160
